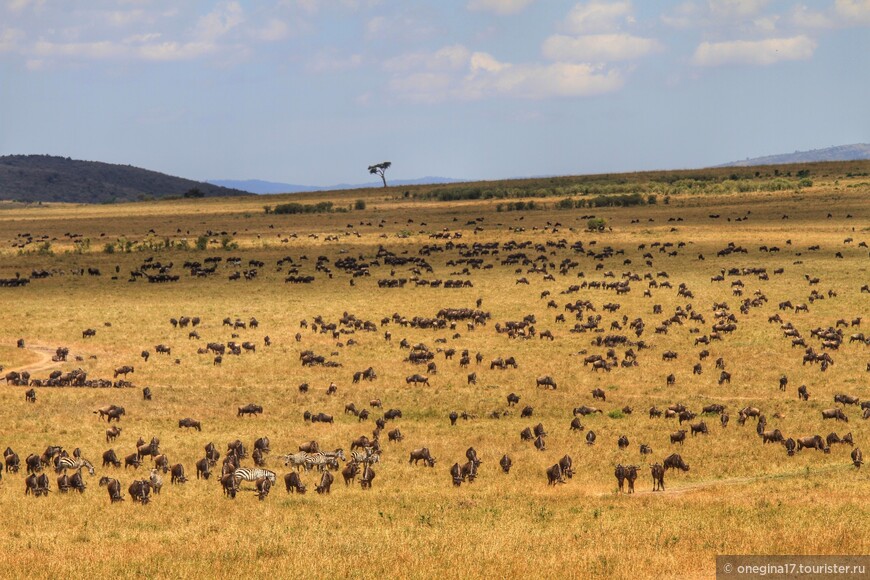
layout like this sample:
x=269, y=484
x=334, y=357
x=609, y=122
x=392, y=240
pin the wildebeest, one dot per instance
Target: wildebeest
x=132, y=459
x=109, y=458
x=836, y=414
x=790, y=446
x=11, y=460
x=124, y=370
x=417, y=379
x=845, y=399
x=112, y=433
x=422, y=453
x=590, y=438
x=513, y=399
x=675, y=461
x=110, y=411
x=857, y=457
x=368, y=475
x=698, y=428
x=139, y=490
x=811, y=442
x=658, y=476
x=190, y=423
x=178, y=476
x=678, y=436
x=802, y=393
x=622, y=442
x=505, y=463
x=545, y=381
x=584, y=410
x=554, y=475
x=774, y=436
x=293, y=483
x=203, y=468
x=599, y=394
x=325, y=483
x=395, y=435
x=350, y=472
x=576, y=425
x=113, y=486
x=250, y=409
x=30, y=396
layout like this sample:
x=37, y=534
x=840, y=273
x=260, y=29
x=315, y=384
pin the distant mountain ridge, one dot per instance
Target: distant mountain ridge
x=269, y=187
x=855, y=152
x=61, y=179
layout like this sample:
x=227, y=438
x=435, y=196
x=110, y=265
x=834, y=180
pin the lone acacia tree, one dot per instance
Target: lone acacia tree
x=380, y=169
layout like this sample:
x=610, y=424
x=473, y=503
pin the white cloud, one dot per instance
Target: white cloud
x=330, y=62
x=853, y=11
x=598, y=47
x=20, y=5
x=736, y=8
x=273, y=31
x=225, y=17
x=498, y=6
x=684, y=16
x=10, y=39
x=598, y=16
x=456, y=73
x=754, y=52
x=803, y=17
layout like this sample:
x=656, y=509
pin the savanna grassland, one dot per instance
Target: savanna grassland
x=739, y=496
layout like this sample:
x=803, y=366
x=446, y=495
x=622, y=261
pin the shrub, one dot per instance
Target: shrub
x=109, y=248
x=596, y=224
x=616, y=414
x=202, y=242
x=359, y=204
x=294, y=208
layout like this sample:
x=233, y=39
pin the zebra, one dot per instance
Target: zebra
x=364, y=457
x=65, y=463
x=296, y=459
x=246, y=474
x=339, y=453
x=321, y=461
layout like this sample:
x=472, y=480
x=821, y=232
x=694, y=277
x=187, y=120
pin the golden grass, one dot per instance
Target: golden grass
x=739, y=497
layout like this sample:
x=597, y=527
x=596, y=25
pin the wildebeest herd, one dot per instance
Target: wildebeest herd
x=577, y=282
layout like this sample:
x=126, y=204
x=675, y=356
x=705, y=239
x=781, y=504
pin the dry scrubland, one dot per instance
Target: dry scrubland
x=739, y=497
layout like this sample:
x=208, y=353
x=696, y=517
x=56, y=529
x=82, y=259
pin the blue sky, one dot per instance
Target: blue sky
x=314, y=91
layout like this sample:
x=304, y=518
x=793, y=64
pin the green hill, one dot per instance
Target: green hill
x=61, y=179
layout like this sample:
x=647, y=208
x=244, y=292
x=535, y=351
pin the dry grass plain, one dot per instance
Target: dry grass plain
x=739, y=496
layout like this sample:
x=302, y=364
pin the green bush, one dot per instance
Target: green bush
x=202, y=242
x=359, y=204
x=616, y=414
x=109, y=248
x=596, y=224
x=295, y=208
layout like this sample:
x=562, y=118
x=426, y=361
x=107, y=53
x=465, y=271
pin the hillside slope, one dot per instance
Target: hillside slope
x=857, y=151
x=49, y=178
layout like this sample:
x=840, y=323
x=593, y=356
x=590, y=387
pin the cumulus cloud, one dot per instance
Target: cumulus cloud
x=598, y=47
x=754, y=52
x=598, y=16
x=10, y=39
x=736, y=8
x=854, y=11
x=457, y=73
x=498, y=6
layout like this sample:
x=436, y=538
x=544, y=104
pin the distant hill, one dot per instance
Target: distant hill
x=268, y=187
x=858, y=151
x=49, y=178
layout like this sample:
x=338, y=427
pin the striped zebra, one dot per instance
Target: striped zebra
x=321, y=461
x=364, y=457
x=246, y=474
x=75, y=463
x=296, y=459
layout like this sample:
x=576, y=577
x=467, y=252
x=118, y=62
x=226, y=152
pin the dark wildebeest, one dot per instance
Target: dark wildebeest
x=263, y=486
x=622, y=443
x=228, y=484
x=190, y=424
x=456, y=474
x=453, y=416
x=392, y=414
x=845, y=399
x=723, y=419
x=802, y=393
x=658, y=476
x=525, y=435
x=774, y=436
x=540, y=444
x=811, y=442
x=678, y=436
x=146, y=394
x=203, y=468
x=789, y=446
x=112, y=433
x=178, y=474
x=139, y=491
x=654, y=412
x=675, y=461
x=857, y=457
x=132, y=459
x=114, y=488
x=590, y=438
x=368, y=475
x=505, y=463
x=422, y=453
x=250, y=409
x=527, y=411
x=554, y=475
x=576, y=425
x=417, y=379
x=545, y=381
x=310, y=447
x=124, y=370
x=30, y=396
x=12, y=460
x=835, y=414
x=513, y=399
x=699, y=428
x=599, y=394
x=567, y=466
x=109, y=458
x=325, y=483
x=350, y=472
x=293, y=483
x=620, y=473
x=395, y=435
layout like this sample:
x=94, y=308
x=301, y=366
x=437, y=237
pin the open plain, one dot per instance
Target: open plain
x=717, y=255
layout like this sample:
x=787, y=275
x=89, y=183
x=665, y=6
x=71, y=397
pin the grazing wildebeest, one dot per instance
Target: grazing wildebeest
x=836, y=414
x=845, y=399
x=540, y=444
x=453, y=416
x=658, y=476
x=132, y=459
x=789, y=446
x=554, y=475
x=139, y=491
x=190, y=424
x=525, y=435
x=110, y=411
x=30, y=396
x=456, y=474
x=350, y=472
x=203, y=468
x=250, y=409
x=178, y=474
x=392, y=414
x=622, y=442
x=12, y=460
x=513, y=399
x=395, y=435
x=109, y=458
x=590, y=438
x=505, y=463
x=567, y=466
x=293, y=483
x=325, y=483
x=774, y=436
x=678, y=436
x=576, y=425
x=422, y=453
x=263, y=486
x=545, y=381
x=724, y=377
x=802, y=393
x=113, y=486
x=654, y=412
x=811, y=442
x=620, y=473
x=471, y=379
x=699, y=428
x=417, y=379
x=599, y=394
x=675, y=461
x=857, y=457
